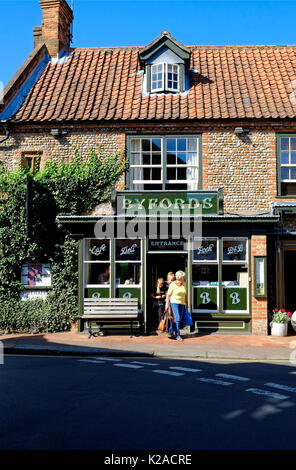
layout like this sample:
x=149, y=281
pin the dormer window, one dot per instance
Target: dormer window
x=165, y=61
x=164, y=77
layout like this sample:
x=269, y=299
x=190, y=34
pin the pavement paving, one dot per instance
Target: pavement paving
x=199, y=346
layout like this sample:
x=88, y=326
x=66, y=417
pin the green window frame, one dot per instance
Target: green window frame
x=260, y=276
x=163, y=165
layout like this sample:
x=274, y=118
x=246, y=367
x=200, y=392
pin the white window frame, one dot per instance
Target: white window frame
x=86, y=262
x=287, y=165
x=192, y=184
x=163, y=77
x=167, y=77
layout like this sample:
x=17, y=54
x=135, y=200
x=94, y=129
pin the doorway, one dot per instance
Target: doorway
x=159, y=265
x=290, y=295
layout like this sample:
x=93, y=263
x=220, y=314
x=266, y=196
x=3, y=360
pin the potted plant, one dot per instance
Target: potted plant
x=279, y=322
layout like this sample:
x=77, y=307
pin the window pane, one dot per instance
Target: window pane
x=284, y=157
x=171, y=159
x=136, y=159
x=205, y=250
x=181, y=160
x=135, y=145
x=181, y=173
x=128, y=250
x=284, y=173
x=170, y=84
x=235, y=276
x=171, y=145
x=181, y=144
x=97, y=273
x=293, y=173
x=156, y=145
x=156, y=159
x=293, y=143
x=293, y=158
x=128, y=273
x=284, y=143
x=205, y=275
x=171, y=173
x=137, y=174
x=153, y=85
x=156, y=173
x=97, y=250
x=192, y=145
x=146, y=160
x=175, y=85
x=234, y=250
x=146, y=145
x=146, y=174
x=192, y=174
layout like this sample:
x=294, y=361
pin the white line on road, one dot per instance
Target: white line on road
x=234, y=377
x=94, y=361
x=259, y=391
x=185, y=369
x=167, y=372
x=111, y=359
x=131, y=366
x=144, y=363
x=214, y=381
x=286, y=388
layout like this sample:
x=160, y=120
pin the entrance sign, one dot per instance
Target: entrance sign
x=167, y=245
x=167, y=203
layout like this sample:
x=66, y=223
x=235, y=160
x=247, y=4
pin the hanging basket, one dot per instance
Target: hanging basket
x=279, y=329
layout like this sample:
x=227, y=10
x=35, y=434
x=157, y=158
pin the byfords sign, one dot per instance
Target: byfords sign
x=161, y=202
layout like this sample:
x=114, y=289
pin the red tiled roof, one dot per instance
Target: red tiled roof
x=105, y=84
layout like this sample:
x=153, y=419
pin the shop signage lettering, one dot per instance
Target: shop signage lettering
x=177, y=243
x=202, y=250
x=231, y=250
x=97, y=250
x=235, y=299
x=205, y=296
x=96, y=295
x=198, y=202
x=166, y=203
x=127, y=295
x=125, y=250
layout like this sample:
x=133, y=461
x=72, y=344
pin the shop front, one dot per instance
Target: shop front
x=225, y=274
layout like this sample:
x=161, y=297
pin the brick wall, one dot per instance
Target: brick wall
x=259, y=304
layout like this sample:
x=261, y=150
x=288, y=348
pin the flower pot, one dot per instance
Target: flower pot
x=279, y=329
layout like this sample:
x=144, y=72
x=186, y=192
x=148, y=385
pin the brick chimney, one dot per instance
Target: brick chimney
x=55, y=31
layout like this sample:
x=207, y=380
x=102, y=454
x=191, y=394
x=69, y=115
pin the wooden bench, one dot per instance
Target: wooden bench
x=102, y=311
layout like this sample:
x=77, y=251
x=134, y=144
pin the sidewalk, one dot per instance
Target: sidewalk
x=205, y=346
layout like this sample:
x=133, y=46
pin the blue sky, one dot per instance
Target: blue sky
x=136, y=23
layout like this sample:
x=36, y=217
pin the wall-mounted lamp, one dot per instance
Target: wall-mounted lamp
x=58, y=132
x=241, y=130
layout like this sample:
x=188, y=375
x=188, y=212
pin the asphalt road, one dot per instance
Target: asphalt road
x=67, y=403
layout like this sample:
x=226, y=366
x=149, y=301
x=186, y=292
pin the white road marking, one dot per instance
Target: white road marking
x=185, y=369
x=131, y=366
x=259, y=391
x=144, y=363
x=234, y=377
x=111, y=359
x=167, y=372
x=286, y=388
x=214, y=381
x=91, y=360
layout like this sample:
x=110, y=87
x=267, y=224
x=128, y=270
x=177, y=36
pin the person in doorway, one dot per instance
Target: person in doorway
x=170, y=279
x=179, y=301
x=104, y=278
x=158, y=295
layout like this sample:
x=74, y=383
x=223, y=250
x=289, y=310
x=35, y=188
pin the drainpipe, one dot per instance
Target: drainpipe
x=7, y=131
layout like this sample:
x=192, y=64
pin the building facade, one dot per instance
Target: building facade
x=210, y=136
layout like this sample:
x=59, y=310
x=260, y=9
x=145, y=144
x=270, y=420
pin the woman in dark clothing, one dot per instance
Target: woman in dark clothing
x=159, y=296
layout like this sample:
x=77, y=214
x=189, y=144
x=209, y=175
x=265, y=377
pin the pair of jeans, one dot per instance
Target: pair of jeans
x=178, y=311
